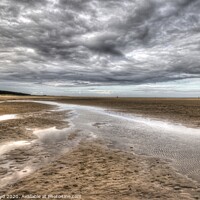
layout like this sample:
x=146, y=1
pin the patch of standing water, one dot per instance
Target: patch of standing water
x=9, y=146
x=7, y=117
x=51, y=135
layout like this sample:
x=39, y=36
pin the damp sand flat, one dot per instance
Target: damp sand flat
x=92, y=171
x=29, y=115
x=21, y=158
x=117, y=130
x=179, y=110
x=19, y=155
x=173, y=142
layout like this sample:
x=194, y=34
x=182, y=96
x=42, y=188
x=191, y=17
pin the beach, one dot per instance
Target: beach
x=91, y=155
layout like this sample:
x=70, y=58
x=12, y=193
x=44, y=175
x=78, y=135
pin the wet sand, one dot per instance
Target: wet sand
x=19, y=119
x=89, y=169
x=176, y=110
x=20, y=150
x=186, y=111
x=22, y=107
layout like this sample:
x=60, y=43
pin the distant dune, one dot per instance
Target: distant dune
x=12, y=93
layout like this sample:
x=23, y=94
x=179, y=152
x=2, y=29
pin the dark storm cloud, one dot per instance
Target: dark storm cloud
x=99, y=42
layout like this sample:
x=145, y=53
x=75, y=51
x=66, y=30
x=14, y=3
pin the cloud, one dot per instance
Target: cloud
x=99, y=42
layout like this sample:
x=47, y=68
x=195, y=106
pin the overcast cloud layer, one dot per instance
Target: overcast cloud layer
x=62, y=43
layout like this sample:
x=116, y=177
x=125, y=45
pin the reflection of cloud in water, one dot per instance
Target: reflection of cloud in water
x=7, y=117
x=8, y=146
x=51, y=135
x=16, y=176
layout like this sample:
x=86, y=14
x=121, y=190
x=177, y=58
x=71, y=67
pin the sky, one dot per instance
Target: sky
x=146, y=48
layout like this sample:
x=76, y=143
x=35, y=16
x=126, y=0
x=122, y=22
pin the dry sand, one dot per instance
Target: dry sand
x=92, y=170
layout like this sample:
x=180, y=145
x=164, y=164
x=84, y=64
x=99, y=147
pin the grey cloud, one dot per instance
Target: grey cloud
x=29, y=2
x=95, y=42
